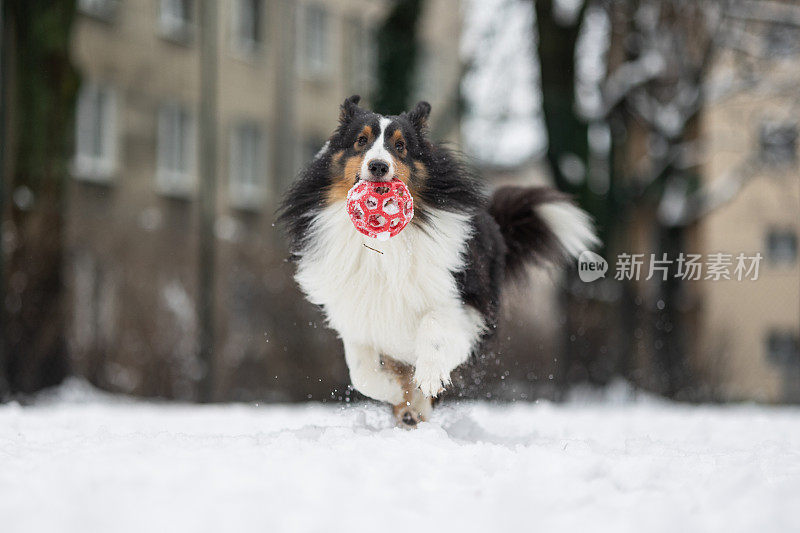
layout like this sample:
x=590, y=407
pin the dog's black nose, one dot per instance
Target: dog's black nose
x=408, y=419
x=378, y=168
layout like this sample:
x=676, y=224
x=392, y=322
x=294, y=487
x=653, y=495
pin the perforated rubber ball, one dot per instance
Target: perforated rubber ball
x=380, y=209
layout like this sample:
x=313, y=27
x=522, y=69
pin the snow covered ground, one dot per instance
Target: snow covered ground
x=89, y=462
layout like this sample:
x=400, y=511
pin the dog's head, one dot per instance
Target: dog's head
x=369, y=146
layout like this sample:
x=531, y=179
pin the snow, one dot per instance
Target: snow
x=591, y=51
x=78, y=460
x=390, y=207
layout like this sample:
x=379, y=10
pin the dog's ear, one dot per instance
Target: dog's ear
x=419, y=116
x=349, y=109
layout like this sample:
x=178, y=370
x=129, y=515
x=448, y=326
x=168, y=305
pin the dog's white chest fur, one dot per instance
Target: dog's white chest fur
x=378, y=299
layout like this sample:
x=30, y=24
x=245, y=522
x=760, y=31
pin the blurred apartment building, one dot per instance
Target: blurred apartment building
x=749, y=331
x=283, y=68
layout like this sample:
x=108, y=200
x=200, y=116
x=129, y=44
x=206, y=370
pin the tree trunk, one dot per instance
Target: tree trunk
x=566, y=132
x=566, y=136
x=43, y=104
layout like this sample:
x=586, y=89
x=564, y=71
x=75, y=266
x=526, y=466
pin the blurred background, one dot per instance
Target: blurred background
x=146, y=144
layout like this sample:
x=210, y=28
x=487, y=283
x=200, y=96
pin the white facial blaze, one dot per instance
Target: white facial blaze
x=378, y=151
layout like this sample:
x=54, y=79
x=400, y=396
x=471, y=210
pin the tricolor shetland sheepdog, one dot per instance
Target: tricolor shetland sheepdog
x=412, y=308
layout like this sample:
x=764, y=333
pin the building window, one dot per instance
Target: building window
x=95, y=124
x=174, y=175
x=782, y=40
x=306, y=149
x=311, y=147
x=175, y=19
x=778, y=143
x=94, y=298
x=247, y=166
x=427, y=79
x=782, y=246
x=247, y=25
x=783, y=348
x=314, y=58
x=101, y=9
x=361, y=57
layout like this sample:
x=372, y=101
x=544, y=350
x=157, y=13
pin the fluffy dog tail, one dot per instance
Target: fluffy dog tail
x=540, y=226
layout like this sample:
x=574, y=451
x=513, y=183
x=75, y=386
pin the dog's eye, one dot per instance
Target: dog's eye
x=361, y=141
x=400, y=146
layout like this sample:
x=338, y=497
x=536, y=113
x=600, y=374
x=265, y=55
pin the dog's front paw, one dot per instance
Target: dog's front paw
x=430, y=377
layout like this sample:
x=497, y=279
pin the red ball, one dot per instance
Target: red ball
x=380, y=209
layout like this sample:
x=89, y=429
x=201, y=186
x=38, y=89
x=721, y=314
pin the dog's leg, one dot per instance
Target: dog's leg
x=444, y=341
x=415, y=407
x=369, y=376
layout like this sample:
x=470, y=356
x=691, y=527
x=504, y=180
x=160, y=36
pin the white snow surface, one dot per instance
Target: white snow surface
x=94, y=462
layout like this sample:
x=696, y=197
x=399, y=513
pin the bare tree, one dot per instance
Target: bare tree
x=657, y=57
